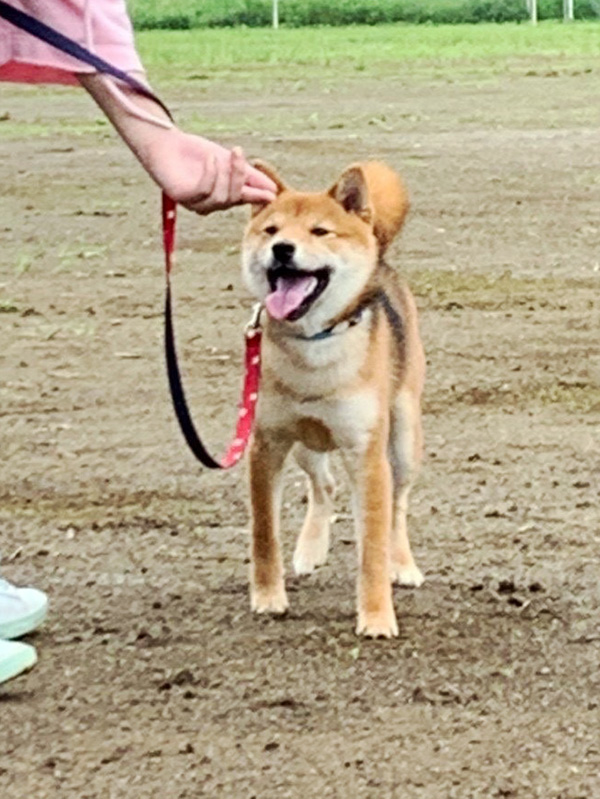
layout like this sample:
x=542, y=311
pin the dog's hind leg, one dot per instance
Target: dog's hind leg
x=405, y=455
x=267, y=590
x=313, y=541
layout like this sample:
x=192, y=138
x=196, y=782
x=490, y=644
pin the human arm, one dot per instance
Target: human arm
x=196, y=172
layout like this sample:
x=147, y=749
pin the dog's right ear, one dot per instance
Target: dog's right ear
x=270, y=172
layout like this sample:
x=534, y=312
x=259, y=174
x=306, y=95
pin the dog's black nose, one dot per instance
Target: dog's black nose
x=283, y=252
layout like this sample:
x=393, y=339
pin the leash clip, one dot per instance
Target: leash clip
x=253, y=325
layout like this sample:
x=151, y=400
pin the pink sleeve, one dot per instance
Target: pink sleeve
x=102, y=26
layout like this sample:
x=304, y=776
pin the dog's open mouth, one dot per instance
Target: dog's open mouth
x=293, y=291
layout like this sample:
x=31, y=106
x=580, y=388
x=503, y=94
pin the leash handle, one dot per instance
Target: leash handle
x=247, y=406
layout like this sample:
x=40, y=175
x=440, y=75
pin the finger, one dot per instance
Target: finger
x=207, y=205
x=212, y=176
x=252, y=195
x=208, y=185
x=220, y=194
x=237, y=177
x=258, y=179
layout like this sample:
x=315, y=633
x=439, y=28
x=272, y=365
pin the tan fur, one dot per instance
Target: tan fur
x=355, y=390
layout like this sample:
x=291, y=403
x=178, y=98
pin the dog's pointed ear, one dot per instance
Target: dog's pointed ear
x=352, y=193
x=270, y=172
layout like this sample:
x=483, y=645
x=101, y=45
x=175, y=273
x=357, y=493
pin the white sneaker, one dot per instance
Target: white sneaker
x=21, y=609
x=15, y=657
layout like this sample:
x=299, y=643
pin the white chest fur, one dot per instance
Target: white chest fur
x=319, y=381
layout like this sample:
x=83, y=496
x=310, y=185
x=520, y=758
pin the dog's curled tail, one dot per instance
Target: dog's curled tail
x=388, y=198
x=374, y=191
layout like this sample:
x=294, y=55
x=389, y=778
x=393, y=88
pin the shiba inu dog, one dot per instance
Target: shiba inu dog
x=342, y=369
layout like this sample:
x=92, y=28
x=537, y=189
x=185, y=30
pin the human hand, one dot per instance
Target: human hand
x=192, y=170
x=202, y=175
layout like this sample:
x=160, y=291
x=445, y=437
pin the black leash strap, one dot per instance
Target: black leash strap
x=179, y=401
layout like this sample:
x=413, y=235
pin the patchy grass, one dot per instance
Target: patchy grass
x=8, y=306
x=451, y=290
x=51, y=129
x=576, y=396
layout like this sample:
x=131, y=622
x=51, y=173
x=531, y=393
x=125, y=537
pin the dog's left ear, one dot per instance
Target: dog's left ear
x=270, y=172
x=352, y=193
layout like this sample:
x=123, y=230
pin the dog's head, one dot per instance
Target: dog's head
x=307, y=256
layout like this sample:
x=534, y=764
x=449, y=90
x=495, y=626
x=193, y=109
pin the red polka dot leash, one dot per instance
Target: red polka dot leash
x=247, y=406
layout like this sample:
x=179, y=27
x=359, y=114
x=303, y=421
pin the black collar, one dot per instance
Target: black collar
x=338, y=327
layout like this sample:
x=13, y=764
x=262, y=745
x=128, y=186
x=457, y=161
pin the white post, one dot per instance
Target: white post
x=275, y=13
x=532, y=8
x=568, y=14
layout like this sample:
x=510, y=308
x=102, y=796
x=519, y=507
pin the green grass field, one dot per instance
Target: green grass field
x=489, y=45
x=234, y=61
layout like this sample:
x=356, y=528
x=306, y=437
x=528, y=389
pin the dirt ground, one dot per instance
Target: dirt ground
x=154, y=679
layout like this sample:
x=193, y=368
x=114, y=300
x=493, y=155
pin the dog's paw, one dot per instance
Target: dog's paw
x=273, y=600
x=409, y=576
x=310, y=554
x=377, y=625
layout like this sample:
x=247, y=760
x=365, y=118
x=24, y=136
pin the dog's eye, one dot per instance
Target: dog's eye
x=271, y=230
x=320, y=231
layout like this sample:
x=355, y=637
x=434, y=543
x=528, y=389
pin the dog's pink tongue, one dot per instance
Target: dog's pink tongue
x=288, y=295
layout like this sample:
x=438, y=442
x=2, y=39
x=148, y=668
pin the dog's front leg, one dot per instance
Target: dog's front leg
x=371, y=477
x=267, y=589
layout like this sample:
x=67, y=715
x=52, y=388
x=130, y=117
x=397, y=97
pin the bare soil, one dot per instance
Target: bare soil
x=154, y=679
